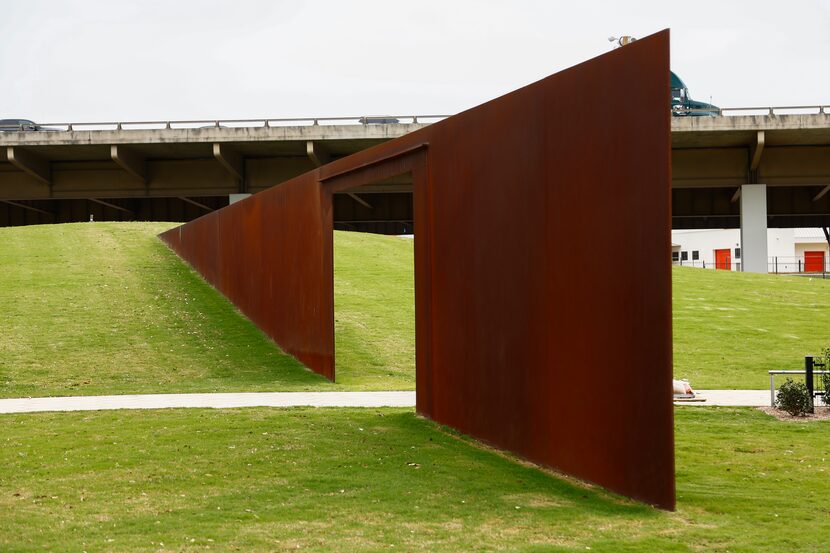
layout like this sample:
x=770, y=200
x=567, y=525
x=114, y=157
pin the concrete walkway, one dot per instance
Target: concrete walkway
x=731, y=398
x=735, y=398
x=216, y=401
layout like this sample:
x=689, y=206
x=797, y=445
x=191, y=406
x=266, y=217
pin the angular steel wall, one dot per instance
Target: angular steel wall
x=542, y=267
x=271, y=256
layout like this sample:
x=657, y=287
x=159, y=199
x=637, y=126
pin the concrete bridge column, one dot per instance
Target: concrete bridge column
x=754, y=257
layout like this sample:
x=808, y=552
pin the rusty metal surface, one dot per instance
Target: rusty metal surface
x=513, y=346
x=268, y=257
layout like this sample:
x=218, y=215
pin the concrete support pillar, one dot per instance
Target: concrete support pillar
x=233, y=198
x=754, y=228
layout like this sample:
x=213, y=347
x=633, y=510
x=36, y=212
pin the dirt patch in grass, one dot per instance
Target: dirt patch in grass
x=821, y=414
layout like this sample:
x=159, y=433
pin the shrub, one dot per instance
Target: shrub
x=793, y=398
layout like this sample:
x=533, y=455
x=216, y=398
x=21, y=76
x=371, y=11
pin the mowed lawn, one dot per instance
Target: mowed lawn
x=351, y=479
x=106, y=308
x=374, y=310
x=731, y=328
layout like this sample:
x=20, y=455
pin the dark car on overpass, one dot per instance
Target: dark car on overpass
x=18, y=125
x=378, y=121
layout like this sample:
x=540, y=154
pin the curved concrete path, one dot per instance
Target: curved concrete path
x=733, y=398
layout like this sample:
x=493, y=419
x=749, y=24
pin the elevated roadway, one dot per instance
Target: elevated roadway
x=714, y=157
x=178, y=171
x=174, y=173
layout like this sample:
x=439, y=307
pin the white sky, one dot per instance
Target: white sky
x=97, y=60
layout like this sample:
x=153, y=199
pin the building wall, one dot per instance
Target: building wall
x=785, y=247
x=705, y=242
x=802, y=247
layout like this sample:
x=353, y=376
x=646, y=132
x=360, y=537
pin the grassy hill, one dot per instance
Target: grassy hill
x=374, y=310
x=106, y=308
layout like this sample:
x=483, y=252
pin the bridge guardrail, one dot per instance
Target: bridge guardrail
x=230, y=123
x=761, y=110
x=368, y=120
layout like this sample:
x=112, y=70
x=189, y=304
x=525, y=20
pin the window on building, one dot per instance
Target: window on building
x=684, y=256
x=675, y=256
x=695, y=255
x=737, y=253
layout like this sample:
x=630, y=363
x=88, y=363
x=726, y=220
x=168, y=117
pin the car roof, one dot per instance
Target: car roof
x=16, y=122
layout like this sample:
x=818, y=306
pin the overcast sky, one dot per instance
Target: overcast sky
x=97, y=60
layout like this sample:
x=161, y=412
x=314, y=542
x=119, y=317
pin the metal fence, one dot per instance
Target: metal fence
x=760, y=110
x=798, y=265
x=703, y=264
x=784, y=265
x=368, y=120
x=226, y=123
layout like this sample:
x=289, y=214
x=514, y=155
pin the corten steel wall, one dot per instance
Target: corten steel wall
x=272, y=258
x=520, y=327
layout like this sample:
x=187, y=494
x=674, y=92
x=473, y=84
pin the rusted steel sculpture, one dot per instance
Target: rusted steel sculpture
x=541, y=267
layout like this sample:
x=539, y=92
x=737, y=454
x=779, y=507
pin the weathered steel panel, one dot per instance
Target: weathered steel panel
x=564, y=294
x=270, y=255
x=541, y=268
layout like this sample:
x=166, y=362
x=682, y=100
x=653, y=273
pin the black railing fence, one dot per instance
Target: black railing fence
x=793, y=265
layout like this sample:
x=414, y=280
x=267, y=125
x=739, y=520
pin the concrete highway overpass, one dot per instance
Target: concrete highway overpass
x=178, y=174
x=179, y=171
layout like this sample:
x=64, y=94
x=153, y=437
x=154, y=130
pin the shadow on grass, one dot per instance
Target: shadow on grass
x=321, y=479
x=232, y=347
x=586, y=497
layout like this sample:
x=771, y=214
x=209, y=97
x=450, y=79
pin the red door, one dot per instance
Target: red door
x=723, y=259
x=813, y=262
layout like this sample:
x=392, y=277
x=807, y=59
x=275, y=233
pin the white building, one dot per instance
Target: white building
x=801, y=250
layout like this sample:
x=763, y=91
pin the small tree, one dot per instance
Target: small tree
x=794, y=398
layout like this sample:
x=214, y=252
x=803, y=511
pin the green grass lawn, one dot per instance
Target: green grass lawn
x=351, y=479
x=731, y=328
x=106, y=308
x=374, y=306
